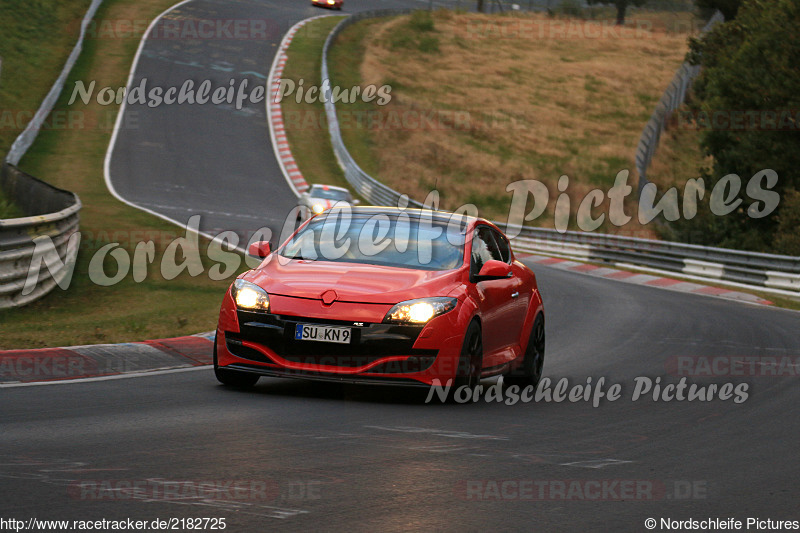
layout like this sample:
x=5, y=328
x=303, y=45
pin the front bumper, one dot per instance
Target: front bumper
x=264, y=344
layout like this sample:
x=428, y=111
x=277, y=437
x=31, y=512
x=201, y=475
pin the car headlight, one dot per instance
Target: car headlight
x=419, y=311
x=249, y=296
x=317, y=208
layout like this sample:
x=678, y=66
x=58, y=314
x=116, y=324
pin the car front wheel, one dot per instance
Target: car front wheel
x=470, y=363
x=530, y=371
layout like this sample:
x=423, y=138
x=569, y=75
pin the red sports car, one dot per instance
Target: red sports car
x=328, y=3
x=384, y=295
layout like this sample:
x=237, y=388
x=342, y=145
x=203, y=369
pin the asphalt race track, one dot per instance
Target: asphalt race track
x=366, y=458
x=215, y=161
x=302, y=456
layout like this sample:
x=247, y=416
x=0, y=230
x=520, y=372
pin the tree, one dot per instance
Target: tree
x=729, y=8
x=621, y=5
x=787, y=238
x=750, y=80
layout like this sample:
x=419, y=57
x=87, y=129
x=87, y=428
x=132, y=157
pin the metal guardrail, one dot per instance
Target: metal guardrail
x=371, y=189
x=777, y=273
x=38, y=246
x=771, y=273
x=671, y=100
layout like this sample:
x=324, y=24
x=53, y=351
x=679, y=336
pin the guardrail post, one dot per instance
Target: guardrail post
x=673, y=97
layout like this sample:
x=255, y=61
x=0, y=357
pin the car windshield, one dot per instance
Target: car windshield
x=329, y=194
x=379, y=239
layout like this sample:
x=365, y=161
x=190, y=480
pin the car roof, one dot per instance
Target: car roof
x=369, y=210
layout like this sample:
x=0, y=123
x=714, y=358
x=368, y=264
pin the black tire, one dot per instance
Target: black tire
x=232, y=378
x=530, y=371
x=470, y=363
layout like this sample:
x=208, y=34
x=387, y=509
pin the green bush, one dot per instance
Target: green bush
x=428, y=44
x=787, y=238
x=414, y=34
x=401, y=40
x=8, y=209
x=421, y=21
x=571, y=8
x=750, y=65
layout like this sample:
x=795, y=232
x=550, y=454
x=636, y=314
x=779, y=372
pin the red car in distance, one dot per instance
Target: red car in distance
x=333, y=4
x=384, y=295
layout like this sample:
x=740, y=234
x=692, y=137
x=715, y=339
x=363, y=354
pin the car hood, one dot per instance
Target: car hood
x=352, y=282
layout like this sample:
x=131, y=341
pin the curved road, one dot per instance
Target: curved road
x=304, y=457
x=211, y=160
x=314, y=457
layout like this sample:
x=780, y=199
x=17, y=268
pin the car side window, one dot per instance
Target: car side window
x=502, y=244
x=484, y=248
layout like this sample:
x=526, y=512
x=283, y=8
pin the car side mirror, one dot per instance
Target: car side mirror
x=493, y=269
x=259, y=249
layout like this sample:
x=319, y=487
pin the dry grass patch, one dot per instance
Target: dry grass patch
x=679, y=156
x=499, y=99
x=37, y=38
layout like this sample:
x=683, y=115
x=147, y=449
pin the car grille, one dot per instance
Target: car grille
x=370, y=342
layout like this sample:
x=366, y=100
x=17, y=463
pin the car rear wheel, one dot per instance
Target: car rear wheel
x=470, y=363
x=530, y=371
x=232, y=378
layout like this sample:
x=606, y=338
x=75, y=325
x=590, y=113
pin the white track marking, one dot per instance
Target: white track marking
x=145, y=374
x=118, y=123
x=279, y=54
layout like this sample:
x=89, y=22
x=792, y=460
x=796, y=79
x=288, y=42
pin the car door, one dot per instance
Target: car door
x=514, y=314
x=495, y=299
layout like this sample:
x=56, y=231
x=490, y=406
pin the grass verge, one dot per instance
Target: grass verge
x=72, y=158
x=37, y=38
x=678, y=158
x=8, y=209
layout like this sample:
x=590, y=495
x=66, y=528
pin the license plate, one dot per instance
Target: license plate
x=310, y=332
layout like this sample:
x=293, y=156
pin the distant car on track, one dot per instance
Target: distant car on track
x=320, y=198
x=384, y=295
x=333, y=4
